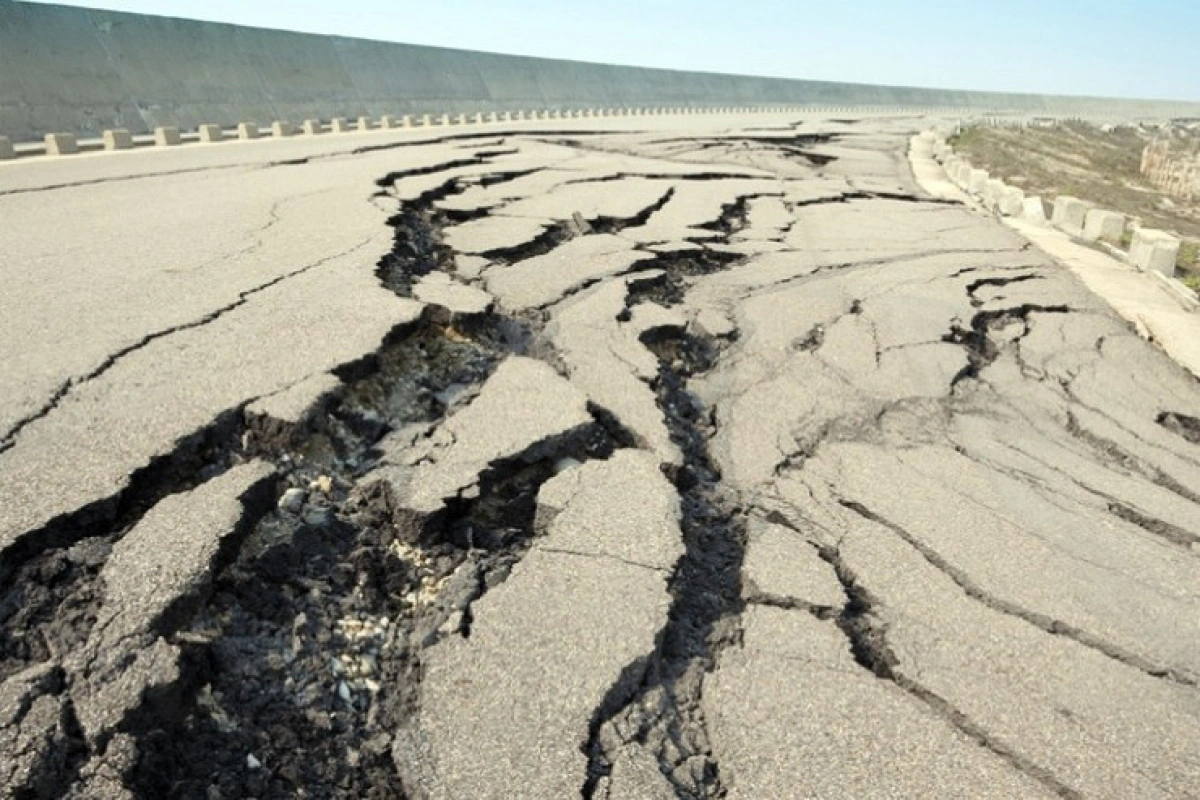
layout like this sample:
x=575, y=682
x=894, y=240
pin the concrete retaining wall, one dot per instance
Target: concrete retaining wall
x=1172, y=163
x=82, y=71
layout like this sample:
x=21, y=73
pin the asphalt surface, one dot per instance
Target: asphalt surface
x=713, y=457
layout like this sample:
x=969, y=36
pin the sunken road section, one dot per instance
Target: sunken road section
x=718, y=464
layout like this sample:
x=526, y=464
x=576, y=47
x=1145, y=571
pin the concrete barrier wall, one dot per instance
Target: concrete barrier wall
x=1172, y=163
x=82, y=71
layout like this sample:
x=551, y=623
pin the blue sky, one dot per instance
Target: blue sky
x=1144, y=49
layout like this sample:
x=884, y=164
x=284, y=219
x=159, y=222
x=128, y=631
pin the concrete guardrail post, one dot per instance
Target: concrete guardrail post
x=478, y=118
x=1154, y=250
x=1012, y=201
x=210, y=132
x=61, y=144
x=365, y=124
x=117, y=139
x=339, y=125
x=247, y=130
x=426, y=120
x=444, y=119
x=6, y=149
x=406, y=121
x=166, y=136
x=1034, y=210
x=1069, y=214
x=281, y=129
x=993, y=191
x=1104, y=225
x=312, y=127
x=387, y=122
x=977, y=182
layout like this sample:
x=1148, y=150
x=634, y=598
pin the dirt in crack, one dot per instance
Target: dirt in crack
x=664, y=713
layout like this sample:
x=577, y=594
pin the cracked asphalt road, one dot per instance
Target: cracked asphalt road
x=708, y=461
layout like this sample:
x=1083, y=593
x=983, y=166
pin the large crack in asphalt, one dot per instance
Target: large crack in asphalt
x=662, y=711
x=315, y=632
x=304, y=652
x=980, y=346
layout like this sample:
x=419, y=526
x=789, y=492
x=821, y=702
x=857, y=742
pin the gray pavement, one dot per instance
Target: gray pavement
x=651, y=458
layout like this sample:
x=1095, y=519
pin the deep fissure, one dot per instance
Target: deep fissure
x=662, y=713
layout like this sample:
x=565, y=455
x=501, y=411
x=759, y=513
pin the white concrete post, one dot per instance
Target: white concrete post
x=6, y=149
x=61, y=144
x=478, y=118
x=166, y=136
x=1154, y=250
x=1069, y=214
x=117, y=139
x=312, y=127
x=1103, y=225
x=977, y=182
x=365, y=124
x=210, y=132
x=1012, y=202
x=993, y=191
x=444, y=119
x=339, y=125
x=426, y=120
x=406, y=121
x=1033, y=210
x=281, y=129
x=387, y=121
